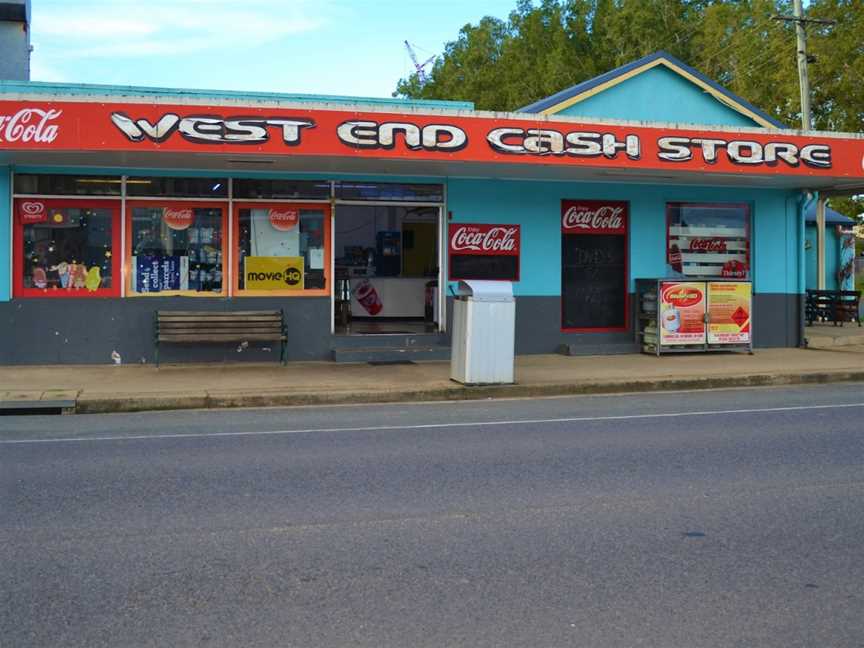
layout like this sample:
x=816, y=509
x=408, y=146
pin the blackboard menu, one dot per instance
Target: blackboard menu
x=594, y=265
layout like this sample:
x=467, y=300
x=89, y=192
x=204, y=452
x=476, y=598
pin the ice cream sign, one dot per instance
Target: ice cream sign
x=682, y=313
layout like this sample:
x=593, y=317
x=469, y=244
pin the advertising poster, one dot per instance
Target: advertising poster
x=682, y=312
x=273, y=273
x=729, y=312
x=160, y=273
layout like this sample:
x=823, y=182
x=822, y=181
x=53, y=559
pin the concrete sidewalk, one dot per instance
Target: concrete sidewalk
x=144, y=387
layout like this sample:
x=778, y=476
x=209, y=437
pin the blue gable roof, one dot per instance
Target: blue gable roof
x=831, y=217
x=658, y=87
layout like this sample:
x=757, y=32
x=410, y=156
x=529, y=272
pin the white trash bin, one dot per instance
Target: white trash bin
x=484, y=331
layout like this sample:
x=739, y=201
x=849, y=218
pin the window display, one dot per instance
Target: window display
x=282, y=247
x=708, y=240
x=66, y=248
x=176, y=247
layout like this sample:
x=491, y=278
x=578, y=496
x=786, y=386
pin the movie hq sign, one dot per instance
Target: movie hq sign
x=81, y=126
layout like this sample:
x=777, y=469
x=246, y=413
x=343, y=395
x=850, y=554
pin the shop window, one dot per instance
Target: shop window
x=253, y=189
x=66, y=248
x=388, y=191
x=707, y=241
x=152, y=187
x=66, y=185
x=282, y=248
x=176, y=248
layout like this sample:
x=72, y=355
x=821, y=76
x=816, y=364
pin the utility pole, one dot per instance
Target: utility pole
x=801, y=38
x=807, y=124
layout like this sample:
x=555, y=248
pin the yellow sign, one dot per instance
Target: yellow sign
x=273, y=273
x=729, y=312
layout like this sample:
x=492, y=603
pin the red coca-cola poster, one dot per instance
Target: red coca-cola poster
x=484, y=251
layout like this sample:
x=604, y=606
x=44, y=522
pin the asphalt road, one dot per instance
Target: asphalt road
x=727, y=518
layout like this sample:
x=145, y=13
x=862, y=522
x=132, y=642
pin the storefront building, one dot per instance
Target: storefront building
x=118, y=202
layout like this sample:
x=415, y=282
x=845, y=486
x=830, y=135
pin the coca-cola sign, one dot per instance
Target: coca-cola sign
x=283, y=220
x=178, y=218
x=593, y=217
x=484, y=239
x=715, y=244
x=32, y=211
x=29, y=126
x=484, y=251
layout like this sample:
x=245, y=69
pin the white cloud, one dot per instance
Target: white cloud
x=124, y=28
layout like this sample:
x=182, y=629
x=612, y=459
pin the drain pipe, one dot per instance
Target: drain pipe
x=804, y=200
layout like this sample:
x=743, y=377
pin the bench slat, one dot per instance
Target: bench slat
x=210, y=313
x=218, y=324
x=213, y=337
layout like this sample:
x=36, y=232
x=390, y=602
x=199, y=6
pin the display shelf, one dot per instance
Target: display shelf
x=649, y=300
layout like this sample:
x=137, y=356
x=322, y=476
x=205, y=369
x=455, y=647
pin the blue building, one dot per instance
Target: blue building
x=119, y=201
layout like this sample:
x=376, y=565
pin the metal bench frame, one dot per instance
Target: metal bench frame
x=837, y=306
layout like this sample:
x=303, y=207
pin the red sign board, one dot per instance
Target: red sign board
x=593, y=217
x=484, y=251
x=283, y=220
x=32, y=211
x=35, y=125
x=178, y=219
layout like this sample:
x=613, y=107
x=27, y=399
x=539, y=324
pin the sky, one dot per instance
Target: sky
x=341, y=47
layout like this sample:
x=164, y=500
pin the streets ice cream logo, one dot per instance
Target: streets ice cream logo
x=500, y=240
x=32, y=212
x=30, y=125
x=605, y=218
x=682, y=297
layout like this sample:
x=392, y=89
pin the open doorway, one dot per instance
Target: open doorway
x=386, y=269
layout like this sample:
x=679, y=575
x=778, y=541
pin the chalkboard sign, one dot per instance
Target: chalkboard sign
x=464, y=266
x=594, y=266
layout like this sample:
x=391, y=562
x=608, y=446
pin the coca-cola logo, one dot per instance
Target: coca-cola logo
x=31, y=211
x=283, y=219
x=178, y=219
x=30, y=125
x=594, y=218
x=682, y=296
x=707, y=245
x=496, y=239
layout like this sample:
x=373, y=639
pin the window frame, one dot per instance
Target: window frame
x=324, y=207
x=748, y=229
x=132, y=203
x=67, y=202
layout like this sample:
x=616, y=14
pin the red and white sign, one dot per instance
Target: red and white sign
x=283, y=220
x=594, y=217
x=708, y=244
x=32, y=211
x=37, y=125
x=178, y=218
x=489, y=240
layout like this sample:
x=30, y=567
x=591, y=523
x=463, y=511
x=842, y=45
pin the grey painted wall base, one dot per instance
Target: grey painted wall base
x=86, y=331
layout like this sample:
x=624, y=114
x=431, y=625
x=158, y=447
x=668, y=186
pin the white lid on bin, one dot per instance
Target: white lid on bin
x=490, y=291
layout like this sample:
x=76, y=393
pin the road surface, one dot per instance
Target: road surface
x=725, y=518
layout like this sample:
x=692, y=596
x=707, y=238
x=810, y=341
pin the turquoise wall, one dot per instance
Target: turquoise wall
x=832, y=258
x=536, y=206
x=660, y=95
x=5, y=233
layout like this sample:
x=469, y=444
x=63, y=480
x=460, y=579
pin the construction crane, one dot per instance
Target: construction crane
x=419, y=67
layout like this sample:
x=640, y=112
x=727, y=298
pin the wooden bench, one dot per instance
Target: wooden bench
x=835, y=306
x=214, y=327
